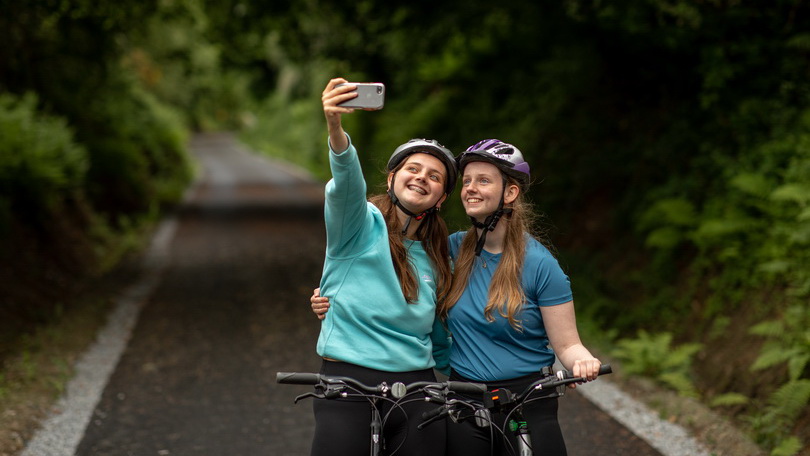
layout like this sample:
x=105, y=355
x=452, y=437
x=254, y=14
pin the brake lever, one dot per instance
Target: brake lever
x=306, y=395
x=444, y=411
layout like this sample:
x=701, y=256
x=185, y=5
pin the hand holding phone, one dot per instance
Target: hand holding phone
x=369, y=96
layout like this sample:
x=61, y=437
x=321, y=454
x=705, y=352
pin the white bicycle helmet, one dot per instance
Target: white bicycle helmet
x=425, y=146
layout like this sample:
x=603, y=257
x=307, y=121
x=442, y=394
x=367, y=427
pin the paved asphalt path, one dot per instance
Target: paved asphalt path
x=232, y=309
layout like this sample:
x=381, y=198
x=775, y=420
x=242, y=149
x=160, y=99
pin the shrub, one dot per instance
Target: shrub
x=40, y=163
x=653, y=356
x=137, y=153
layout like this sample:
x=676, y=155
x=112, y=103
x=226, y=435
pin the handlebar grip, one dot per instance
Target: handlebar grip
x=604, y=369
x=466, y=387
x=298, y=378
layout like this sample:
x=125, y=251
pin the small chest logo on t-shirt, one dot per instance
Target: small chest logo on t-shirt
x=427, y=278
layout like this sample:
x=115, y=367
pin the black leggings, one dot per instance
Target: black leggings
x=467, y=439
x=342, y=426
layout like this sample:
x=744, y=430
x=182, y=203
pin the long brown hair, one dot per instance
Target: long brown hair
x=433, y=235
x=506, y=294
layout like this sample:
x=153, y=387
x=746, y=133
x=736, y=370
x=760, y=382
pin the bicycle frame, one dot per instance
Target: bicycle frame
x=518, y=424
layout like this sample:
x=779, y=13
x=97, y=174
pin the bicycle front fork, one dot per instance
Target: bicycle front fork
x=524, y=440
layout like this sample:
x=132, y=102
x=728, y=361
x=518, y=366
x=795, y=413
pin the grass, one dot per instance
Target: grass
x=34, y=377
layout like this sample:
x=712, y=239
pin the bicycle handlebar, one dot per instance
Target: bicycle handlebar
x=307, y=378
x=604, y=369
x=562, y=377
x=451, y=385
x=398, y=389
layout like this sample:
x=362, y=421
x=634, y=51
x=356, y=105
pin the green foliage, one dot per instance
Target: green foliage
x=134, y=144
x=773, y=424
x=788, y=342
x=293, y=132
x=137, y=153
x=750, y=234
x=86, y=162
x=653, y=356
x=789, y=447
x=175, y=60
x=668, y=220
x=729, y=399
x=41, y=165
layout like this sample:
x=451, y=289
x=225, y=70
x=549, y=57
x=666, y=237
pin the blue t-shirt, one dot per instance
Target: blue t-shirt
x=369, y=322
x=489, y=351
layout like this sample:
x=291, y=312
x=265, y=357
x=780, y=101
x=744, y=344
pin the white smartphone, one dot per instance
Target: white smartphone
x=370, y=95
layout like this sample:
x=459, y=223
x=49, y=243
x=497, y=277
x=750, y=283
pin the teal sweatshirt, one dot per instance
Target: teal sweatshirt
x=369, y=323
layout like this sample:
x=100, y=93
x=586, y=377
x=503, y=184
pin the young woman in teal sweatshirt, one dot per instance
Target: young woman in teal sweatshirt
x=386, y=266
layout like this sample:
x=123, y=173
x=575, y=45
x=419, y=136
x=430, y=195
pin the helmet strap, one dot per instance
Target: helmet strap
x=490, y=222
x=411, y=215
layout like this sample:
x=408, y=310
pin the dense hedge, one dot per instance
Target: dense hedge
x=88, y=156
x=41, y=166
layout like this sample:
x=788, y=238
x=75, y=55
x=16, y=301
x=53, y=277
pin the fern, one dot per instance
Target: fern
x=712, y=228
x=664, y=238
x=678, y=381
x=775, y=266
x=788, y=447
x=751, y=183
x=800, y=41
x=772, y=426
x=789, y=400
x=788, y=341
x=651, y=355
x=670, y=211
x=772, y=355
x=729, y=399
x=792, y=192
x=681, y=356
x=771, y=328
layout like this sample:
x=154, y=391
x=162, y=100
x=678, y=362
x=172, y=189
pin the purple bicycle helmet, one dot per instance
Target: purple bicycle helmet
x=505, y=156
x=427, y=146
x=510, y=161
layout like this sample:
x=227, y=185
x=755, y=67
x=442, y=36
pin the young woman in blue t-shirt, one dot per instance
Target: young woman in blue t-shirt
x=510, y=308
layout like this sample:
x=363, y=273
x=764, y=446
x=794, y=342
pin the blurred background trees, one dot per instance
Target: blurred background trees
x=669, y=143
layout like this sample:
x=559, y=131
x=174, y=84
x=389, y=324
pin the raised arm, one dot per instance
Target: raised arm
x=331, y=97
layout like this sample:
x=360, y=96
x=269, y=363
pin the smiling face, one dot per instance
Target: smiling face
x=482, y=190
x=419, y=182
